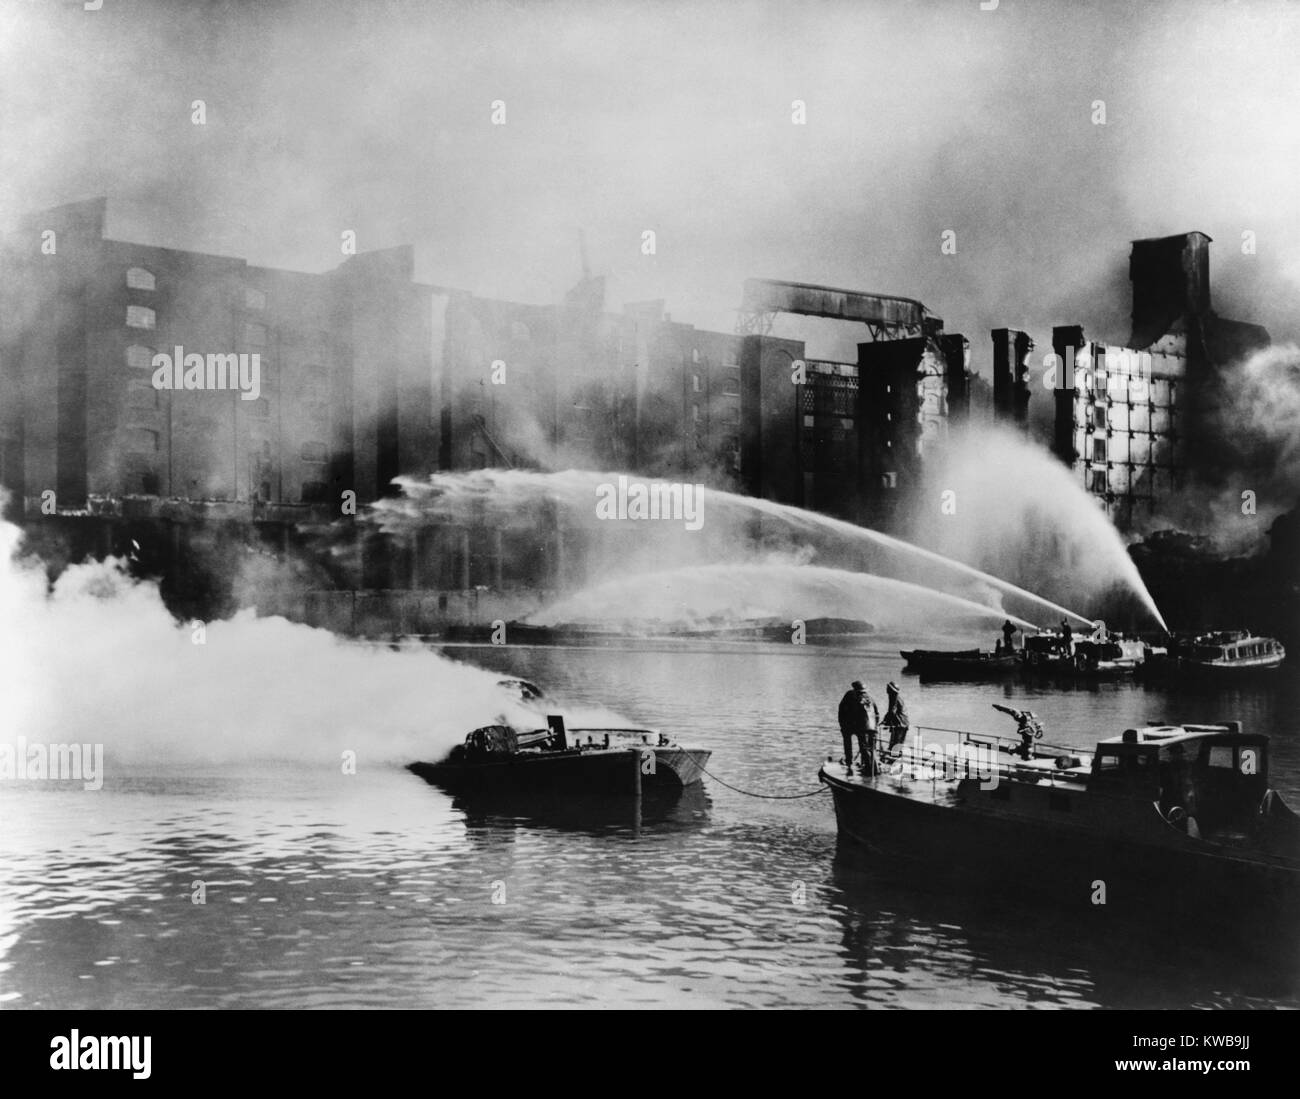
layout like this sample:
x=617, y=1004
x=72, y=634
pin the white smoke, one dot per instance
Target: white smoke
x=97, y=658
x=1256, y=472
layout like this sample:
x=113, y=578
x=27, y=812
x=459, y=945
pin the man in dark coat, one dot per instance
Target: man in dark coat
x=859, y=717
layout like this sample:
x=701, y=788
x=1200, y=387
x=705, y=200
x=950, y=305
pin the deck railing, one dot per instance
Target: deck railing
x=937, y=763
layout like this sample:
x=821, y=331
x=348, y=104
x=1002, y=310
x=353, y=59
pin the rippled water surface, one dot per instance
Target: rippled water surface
x=377, y=890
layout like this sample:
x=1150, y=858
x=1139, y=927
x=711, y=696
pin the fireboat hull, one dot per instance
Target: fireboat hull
x=931, y=826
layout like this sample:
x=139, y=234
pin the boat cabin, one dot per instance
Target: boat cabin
x=1238, y=648
x=1206, y=779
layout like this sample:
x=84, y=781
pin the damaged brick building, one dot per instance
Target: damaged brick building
x=1135, y=421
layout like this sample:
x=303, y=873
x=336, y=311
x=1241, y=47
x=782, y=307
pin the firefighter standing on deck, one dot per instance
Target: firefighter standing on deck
x=858, y=718
x=895, y=719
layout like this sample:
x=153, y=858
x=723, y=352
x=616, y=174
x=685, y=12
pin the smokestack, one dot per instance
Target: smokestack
x=956, y=354
x=1024, y=346
x=1011, y=349
x=1066, y=341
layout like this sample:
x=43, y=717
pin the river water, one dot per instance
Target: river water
x=377, y=890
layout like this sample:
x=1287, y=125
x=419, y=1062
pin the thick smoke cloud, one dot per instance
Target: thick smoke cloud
x=1254, y=475
x=676, y=117
x=97, y=658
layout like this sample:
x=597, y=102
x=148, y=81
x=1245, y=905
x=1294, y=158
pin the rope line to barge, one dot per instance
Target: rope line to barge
x=810, y=793
x=768, y=797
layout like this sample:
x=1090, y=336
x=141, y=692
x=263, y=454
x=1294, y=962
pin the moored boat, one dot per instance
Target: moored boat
x=1181, y=816
x=959, y=664
x=1228, y=652
x=591, y=761
x=1098, y=654
x=1093, y=655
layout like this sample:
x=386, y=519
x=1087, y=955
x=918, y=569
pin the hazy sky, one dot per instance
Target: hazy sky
x=921, y=117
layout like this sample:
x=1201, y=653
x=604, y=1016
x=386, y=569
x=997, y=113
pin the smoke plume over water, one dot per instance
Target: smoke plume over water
x=97, y=658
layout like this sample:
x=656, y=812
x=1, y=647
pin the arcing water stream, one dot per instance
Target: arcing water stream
x=731, y=526
x=695, y=594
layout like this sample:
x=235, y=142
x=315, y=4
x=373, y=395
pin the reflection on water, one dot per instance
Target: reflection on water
x=377, y=889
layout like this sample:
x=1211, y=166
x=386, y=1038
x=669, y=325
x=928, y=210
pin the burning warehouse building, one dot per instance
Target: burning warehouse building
x=1134, y=422
x=98, y=453
x=846, y=438
x=364, y=374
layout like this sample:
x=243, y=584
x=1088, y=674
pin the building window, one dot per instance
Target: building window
x=314, y=492
x=137, y=278
x=141, y=394
x=1098, y=450
x=318, y=412
x=314, y=452
x=1099, y=416
x=695, y=354
x=142, y=440
x=695, y=412
x=254, y=299
x=1098, y=485
x=731, y=386
x=138, y=316
x=695, y=382
x=139, y=357
x=255, y=334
